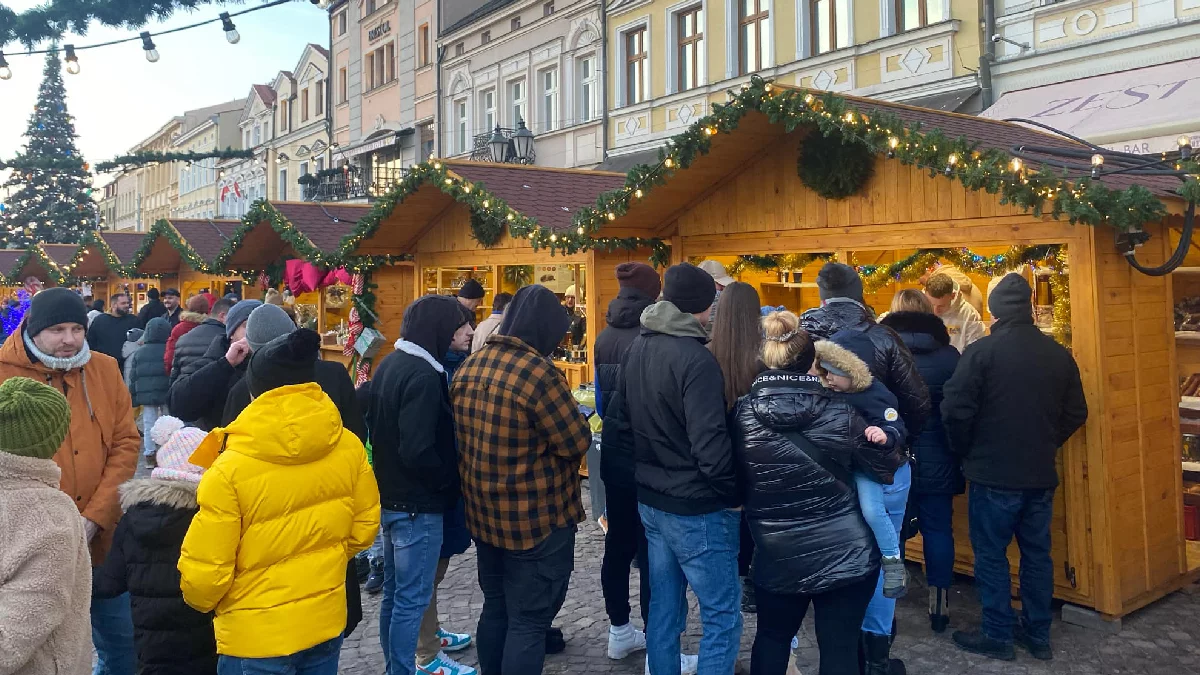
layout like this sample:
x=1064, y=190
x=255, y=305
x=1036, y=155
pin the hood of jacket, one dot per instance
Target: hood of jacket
x=166, y=507
x=536, y=318
x=157, y=331
x=921, y=332
x=783, y=400
x=664, y=317
x=625, y=310
x=292, y=424
x=1011, y=302
x=844, y=359
x=192, y=317
x=430, y=323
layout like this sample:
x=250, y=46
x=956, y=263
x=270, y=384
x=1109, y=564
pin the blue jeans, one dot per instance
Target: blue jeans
x=996, y=516
x=150, y=415
x=935, y=517
x=374, y=555
x=411, y=544
x=701, y=552
x=112, y=635
x=319, y=660
x=881, y=610
x=872, y=499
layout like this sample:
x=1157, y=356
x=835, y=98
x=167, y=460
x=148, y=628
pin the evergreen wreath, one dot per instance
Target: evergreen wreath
x=487, y=227
x=834, y=166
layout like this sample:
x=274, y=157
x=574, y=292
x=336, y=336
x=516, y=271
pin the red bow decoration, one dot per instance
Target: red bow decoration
x=303, y=277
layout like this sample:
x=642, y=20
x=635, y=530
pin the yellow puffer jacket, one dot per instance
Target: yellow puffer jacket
x=283, y=508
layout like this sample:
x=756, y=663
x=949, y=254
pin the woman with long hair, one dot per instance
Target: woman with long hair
x=736, y=338
x=796, y=443
x=937, y=473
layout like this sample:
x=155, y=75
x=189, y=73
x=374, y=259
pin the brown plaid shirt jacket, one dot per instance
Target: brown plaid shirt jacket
x=521, y=438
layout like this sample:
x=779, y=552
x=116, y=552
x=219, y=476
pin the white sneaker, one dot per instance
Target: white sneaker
x=444, y=665
x=688, y=663
x=625, y=641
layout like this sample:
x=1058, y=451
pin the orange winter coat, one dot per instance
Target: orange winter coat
x=101, y=448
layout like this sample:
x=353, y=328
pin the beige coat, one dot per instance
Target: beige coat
x=45, y=574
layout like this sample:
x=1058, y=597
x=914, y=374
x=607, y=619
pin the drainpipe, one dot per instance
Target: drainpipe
x=329, y=71
x=989, y=54
x=604, y=81
x=437, y=110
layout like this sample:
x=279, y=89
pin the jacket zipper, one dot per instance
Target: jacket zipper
x=70, y=441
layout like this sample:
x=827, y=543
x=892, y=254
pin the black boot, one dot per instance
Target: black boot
x=749, y=606
x=939, y=608
x=875, y=651
x=555, y=642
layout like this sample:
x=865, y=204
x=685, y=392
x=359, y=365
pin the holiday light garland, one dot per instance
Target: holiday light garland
x=163, y=228
x=490, y=215
x=38, y=255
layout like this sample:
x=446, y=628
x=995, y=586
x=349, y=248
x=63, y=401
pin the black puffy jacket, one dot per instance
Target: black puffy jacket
x=893, y=364
x=191, y=350
x=199, y=397
x=675, y=402
x=616, y=439
x=148, y=380
x=809, y=534
x=936, y=471
x=171, y=638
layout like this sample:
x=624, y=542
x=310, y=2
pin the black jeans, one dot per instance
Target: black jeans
x=626, y=540
x=838, y=615
x=745, y=547
x=522, y=593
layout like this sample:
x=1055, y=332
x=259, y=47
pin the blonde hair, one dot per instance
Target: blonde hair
x=786, y=346
x=911, y=300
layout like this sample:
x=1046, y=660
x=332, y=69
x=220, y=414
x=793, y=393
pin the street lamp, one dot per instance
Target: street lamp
x=522, y=143
x=498, y=146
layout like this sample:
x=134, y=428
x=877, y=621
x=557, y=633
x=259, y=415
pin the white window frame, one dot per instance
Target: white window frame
x=303, y=168
x=487, y=110
x=623, y=60
x=733, y=36
x=672, y=17
x=514, y=102
x=549, y=99
x=462, y=125
x=588, y=113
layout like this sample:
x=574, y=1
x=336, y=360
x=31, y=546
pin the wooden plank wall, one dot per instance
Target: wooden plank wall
x=1140, y=399
x=396, y=290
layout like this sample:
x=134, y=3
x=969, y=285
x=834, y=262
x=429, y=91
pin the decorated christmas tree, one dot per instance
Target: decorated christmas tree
x=49, y=182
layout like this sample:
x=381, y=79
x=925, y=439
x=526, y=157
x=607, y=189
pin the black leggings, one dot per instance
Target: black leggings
x=838, y=615
x=626, y=540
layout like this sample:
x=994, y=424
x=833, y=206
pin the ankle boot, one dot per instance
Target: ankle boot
x=875, y=651
x=939, y=608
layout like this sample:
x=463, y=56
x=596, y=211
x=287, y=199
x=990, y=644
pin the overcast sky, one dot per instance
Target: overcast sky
x=119, y=98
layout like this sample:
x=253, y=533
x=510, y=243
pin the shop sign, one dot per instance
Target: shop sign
x=379, y=31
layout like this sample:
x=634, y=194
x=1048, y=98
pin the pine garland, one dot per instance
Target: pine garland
x=144, y=157
x=835, y=166
x=163, y=228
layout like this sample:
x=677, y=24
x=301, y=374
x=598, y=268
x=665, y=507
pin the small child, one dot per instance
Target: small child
x=842, y=363
x=45, y=567
x=171, y=638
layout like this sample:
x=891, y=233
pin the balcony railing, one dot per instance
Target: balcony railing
x=349, y=183
x=482, y=150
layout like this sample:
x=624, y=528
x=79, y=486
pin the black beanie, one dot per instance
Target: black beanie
x=1011, y=300
x=52, y=307
x=689, y=288
x=288, y=359
x=471, y=290
x=836, y=280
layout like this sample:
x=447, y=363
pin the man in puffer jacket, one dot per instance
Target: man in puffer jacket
x=272, y=563
x=171, y=638
x=45, y=572
x=842, y=308
x=148, y=382
x=200, y=397
x=190, y=350
x=196, y=313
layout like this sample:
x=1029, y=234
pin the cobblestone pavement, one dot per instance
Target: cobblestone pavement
x=1163, y=638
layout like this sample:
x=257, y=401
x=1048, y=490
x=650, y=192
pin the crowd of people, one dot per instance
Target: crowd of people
x=766, y=460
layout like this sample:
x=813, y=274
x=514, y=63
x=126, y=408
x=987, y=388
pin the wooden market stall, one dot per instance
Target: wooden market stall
x=34, y=262
x=732, y=187
x=275, y=232
x=200, y=241
x=474, y=220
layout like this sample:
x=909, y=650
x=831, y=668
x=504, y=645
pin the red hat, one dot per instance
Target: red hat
x=641, y=277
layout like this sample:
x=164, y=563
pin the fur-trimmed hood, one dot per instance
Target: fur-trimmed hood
x=918, y=323
x=844, y=359
x=153, y=491
x=192, y=317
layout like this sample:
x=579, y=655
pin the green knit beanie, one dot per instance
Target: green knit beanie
x=33, y=418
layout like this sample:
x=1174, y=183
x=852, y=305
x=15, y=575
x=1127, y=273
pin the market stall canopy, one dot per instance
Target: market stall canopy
x=9, y=257
x=123, y=244
x=204, y=236
x=20, y=264
x=61, y=254
x=1142, y=111
x=756, y=133
x=548, y=196
x=273, y=230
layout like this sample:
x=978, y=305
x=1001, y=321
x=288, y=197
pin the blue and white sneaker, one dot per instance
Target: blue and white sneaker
x=454, y=642
x=444, y=665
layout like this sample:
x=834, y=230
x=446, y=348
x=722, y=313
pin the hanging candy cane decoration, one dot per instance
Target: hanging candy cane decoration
x=263, y=280
x=362, y=372
x=353, y=331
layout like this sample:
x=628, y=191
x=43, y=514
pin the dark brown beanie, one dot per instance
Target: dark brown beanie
x=641, y=277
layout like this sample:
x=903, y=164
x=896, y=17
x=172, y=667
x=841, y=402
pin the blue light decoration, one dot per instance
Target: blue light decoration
x=11, y=315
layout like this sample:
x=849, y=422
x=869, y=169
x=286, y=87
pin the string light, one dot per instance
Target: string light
x=148, y=47
x=231, y=33
x=1185, y=147
x=5, y=71
x=72, y=60
x=1097, y=164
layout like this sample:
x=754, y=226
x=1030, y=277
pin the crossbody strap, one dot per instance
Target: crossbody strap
x=817, y=455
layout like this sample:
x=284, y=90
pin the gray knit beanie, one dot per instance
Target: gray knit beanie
x=266, y=323
x=238, y=314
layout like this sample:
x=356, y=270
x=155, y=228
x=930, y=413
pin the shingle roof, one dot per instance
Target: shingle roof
x=8, y=259
x=123, y=244
x=549, y=195
x=206, y=237
x=316, y=221
x=320, y=50
x=266, y=93
x=60, y=253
